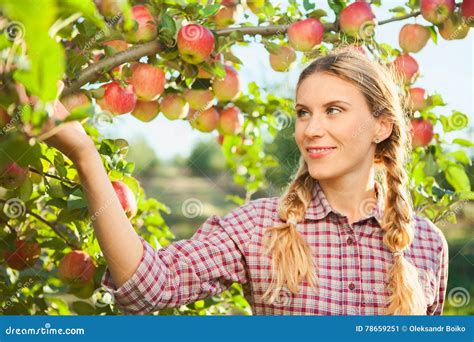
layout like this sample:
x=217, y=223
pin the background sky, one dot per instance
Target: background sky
x=447, y=68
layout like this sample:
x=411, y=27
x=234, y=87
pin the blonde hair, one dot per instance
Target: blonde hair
x=292, y=261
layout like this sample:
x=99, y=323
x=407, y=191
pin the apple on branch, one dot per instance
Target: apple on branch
x=413, y=37
x=283, y=59
x=76, y=267
x=117, y=99
x=204, y=120
x=357, y=20
x=174, y=106
x=436, y=11
x=230, y=121
x=227, y=88
x=195, y=43
x=406, y=67
x=12, y=175
x=422, y=132
x=148, y=81
x=305, y=34
x=144, y=29
x=199, y=99
x=126, y=197
x=146, y=111
x=24, y=256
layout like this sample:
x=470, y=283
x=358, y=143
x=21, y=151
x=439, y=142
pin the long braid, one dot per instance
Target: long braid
x=406, y=293
x=292, y=261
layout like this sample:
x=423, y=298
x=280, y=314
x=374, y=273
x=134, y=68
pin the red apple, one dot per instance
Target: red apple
x=225, y=16
x=148, y=81
x=436, y=11
x=467, y=11
x=304, y=35
x=418, y=99
x=117, y=45
x=146, y=110
x=227, y=88
x=406, y=66
x=422, y=132
x=455, y=27
x=413, y=37
x=283, y=60
x=357, y=20
x=5, y=118
x=126, y=197
x=75, y=100
x=25, y=255
x=117, y=99
x=195, y=43
x=230, y=121
x=12, y=175
x=145, y=28
x=199, y=99
x=205, y=120
x=174, y=107
x=76, y=267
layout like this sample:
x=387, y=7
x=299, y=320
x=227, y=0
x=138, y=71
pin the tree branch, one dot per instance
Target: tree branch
x=53, y=227
x=96, y=70
x=53, y=176
x=135, y=52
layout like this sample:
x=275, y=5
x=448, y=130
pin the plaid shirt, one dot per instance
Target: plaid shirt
x=351, y=263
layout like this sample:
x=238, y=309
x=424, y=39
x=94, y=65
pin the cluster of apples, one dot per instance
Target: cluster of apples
x=451, y=24
x=142, y=91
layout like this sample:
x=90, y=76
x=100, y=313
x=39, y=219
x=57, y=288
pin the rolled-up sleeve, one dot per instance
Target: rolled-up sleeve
x=188, y=270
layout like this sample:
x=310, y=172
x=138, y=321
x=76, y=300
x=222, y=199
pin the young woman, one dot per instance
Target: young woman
x=342, y=240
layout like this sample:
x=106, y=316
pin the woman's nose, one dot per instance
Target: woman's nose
x=315, y=126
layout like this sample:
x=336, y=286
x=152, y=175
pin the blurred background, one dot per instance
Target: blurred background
x=178, y=164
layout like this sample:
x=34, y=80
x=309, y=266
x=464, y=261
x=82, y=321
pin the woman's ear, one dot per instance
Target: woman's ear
x=383, y=128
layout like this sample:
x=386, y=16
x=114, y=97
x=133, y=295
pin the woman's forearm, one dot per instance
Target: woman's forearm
x=117, y=238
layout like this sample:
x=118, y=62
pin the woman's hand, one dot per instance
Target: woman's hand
x=70, y=137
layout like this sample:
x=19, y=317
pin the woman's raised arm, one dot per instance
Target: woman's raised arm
x=118, y=240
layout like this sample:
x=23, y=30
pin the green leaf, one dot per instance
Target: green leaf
x=209, y=10
x=308, y=5
x=460, y=156
x=433, y=33
x=399, y=10
x=319, y=13
x=86, y=7
x=463, y=142
x=46, y=56
x=457, y=177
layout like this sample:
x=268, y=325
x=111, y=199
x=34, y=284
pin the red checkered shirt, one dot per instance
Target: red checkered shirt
x=351, y=263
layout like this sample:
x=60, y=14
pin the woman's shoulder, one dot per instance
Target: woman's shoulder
x=430, y=233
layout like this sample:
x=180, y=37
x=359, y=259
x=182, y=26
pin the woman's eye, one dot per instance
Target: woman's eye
x=301, y=112
x=333, y=110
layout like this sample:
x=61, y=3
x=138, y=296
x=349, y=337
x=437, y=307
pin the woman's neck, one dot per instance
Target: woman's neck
x=347, y=195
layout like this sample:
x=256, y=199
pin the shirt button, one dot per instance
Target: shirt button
x=350, y=241
x=351, y=286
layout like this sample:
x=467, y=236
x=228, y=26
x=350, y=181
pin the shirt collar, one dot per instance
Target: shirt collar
x=320, y=207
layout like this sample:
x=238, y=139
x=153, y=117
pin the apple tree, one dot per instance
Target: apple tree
x=176, y=59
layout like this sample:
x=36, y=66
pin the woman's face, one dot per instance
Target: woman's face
x=332, y=114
